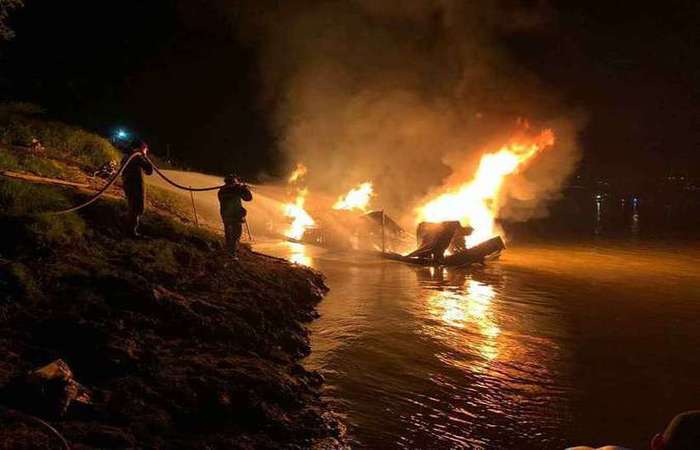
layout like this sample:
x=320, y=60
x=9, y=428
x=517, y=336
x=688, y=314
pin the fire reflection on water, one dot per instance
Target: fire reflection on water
x=467, y=310
x=449, y=358
x=499, y=356
x=298, y=254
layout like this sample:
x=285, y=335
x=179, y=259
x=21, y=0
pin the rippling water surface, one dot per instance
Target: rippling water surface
x=591, y=343
x=553, y=345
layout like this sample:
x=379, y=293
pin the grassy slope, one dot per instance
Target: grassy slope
x=59, y=165
x=182, y=346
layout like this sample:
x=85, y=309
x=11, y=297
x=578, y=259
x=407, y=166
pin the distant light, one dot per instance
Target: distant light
x=121, y=134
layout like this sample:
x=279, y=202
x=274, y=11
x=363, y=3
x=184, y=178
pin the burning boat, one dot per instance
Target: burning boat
x=348, y=225
x=442, y=239
x=344, y=230
x=457, y=224
x=443, y=244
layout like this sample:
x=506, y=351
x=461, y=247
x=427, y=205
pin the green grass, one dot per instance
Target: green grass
x=20, y=123
x=17, y=282
x=42, y=166
x=169, y=201
x=32, y=202
x=8, y=161
x=21, y=198
x=32, y=163
x=50, y=231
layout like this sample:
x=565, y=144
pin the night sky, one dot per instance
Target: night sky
x=175, y=72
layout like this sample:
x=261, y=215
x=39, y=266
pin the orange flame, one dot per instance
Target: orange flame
x=298, y=173
x=301, y=220
x=475, y=203
x=357, y=198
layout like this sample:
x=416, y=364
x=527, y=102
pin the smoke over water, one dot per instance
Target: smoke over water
x=408, y=95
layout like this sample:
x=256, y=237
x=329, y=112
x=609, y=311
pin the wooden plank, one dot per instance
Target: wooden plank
x=43, y=180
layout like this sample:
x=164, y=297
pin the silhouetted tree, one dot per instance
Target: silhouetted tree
x=5, y=7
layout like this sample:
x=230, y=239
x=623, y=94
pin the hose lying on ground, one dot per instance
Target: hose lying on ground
x=7, y=412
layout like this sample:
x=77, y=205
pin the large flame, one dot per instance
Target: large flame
x=357, y=198
x=475, y=203
x=301, y=220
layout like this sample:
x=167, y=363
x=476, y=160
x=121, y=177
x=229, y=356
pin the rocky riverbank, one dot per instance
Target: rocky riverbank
x=178, y=345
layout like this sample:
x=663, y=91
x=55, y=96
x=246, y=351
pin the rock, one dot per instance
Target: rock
x=48, y=390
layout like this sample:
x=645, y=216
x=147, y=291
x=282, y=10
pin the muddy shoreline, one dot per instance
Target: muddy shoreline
x=180, y=345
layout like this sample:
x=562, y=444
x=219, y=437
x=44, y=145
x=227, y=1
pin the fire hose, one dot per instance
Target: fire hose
x=179, y=186
x=112, y=180
x=191, y=189
x=17, y=414
x=100, y=192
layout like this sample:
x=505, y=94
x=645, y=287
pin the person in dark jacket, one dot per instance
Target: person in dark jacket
x=132, y=182
x=232, y=211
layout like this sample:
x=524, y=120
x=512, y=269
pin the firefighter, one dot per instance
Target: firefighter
x=232, y=211
x=132, y=182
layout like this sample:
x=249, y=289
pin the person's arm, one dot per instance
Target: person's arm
x=246, y=195
x=146, y=165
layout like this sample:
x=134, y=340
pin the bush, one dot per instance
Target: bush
x=21, y=122
x=63, y=140
x=82, y=146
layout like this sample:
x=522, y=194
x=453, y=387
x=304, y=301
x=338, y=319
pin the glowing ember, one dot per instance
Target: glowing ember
x=298, y=173
x=357, y=198
x=476, y=203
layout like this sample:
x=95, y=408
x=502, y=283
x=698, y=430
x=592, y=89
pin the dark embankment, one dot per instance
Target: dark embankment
x=181, y=346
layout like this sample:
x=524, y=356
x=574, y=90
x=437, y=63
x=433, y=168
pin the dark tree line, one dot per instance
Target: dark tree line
x=5, y=7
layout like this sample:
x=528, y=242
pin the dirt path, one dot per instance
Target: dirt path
x=83, y=187
x=113, y=192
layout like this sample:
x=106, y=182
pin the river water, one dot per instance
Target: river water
x=552, y=345
x=589, y=341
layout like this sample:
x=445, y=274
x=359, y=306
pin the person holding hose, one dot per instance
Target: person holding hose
x=232, y=211
x=132, y=182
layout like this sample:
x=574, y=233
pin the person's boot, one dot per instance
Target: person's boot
x=130, y=229
x=135, y=230
x=234, y=250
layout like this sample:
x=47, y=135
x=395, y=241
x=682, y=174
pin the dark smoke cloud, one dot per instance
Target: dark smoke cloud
x=404, y=94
